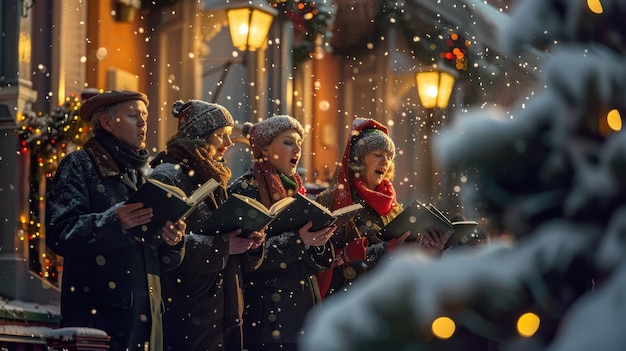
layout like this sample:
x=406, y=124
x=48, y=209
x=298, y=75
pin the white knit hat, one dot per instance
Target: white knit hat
x=262, y=133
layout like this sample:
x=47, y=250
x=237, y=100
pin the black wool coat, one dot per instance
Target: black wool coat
x=110, y=280
x=203, y=296
x=284, y=289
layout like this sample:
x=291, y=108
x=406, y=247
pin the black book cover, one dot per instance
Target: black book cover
x=302, y=210
x=418, y=217
x=168, y=203
x=240, y=211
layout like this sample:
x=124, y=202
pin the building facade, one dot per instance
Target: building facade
x=172, y=50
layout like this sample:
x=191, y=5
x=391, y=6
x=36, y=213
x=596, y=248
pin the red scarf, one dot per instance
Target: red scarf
x=342, y=195
x=381, y=199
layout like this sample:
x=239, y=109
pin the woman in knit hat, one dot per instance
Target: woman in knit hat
x=281, y=292
x=364, y=176
x=203, y=297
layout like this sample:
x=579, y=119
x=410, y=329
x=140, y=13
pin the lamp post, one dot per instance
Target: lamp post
x=249, y=23
x=434, y=88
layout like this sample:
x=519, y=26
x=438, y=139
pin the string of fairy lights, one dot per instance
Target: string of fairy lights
x=46, y=139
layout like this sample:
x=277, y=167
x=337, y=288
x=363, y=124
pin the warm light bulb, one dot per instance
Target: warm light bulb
x=528, y=324
x=432, y=91
x=443, y=327
x=243, y=29
x=595, y=6
x=614, y=120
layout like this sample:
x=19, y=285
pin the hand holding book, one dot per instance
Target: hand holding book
x=433, y=240
x=167, y=202
x=288, y=214
x=318, y=237
x=238, y=244
x=173, y=233
x=427, y=221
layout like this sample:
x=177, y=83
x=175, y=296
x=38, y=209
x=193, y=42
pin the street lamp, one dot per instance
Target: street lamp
x=435, y=87
x=249, y=23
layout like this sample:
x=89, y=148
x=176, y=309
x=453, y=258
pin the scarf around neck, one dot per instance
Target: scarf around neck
x=343, y=179
x=381, y=199
x=126, y=158
x=271, y=187
x=193, y=153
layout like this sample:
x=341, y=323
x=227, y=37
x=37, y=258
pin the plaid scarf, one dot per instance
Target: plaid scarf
x=194, y=153
x=271, y=187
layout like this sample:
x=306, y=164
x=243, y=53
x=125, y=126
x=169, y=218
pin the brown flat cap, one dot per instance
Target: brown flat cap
x=108, y=98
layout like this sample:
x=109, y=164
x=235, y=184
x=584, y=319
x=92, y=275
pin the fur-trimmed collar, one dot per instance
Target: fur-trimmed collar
x=106, y=166
x=102, y=159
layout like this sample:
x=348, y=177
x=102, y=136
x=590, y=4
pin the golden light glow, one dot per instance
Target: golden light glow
x=249, y=26
x=614, y=120
x=595, y=6
x=443, y=327
x=24, y=47
x=528, y=324
x=434, y=88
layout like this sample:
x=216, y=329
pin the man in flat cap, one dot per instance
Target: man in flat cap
x=110, y=278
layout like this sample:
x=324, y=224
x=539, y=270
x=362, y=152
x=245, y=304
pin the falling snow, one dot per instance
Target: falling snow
x=544, y=174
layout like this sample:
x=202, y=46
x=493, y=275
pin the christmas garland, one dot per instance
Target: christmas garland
x=314, y=19
x=450, y=47
x=48, y=137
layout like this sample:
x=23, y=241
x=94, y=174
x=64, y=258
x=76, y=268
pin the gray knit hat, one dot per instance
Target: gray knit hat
x=369, y=140
x=196, y=118
x=262, y=133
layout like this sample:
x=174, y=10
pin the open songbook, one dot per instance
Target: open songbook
x=418, y=217
x=304, y=209
x=287, y=214
x=240, y=211
x=168, y=202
